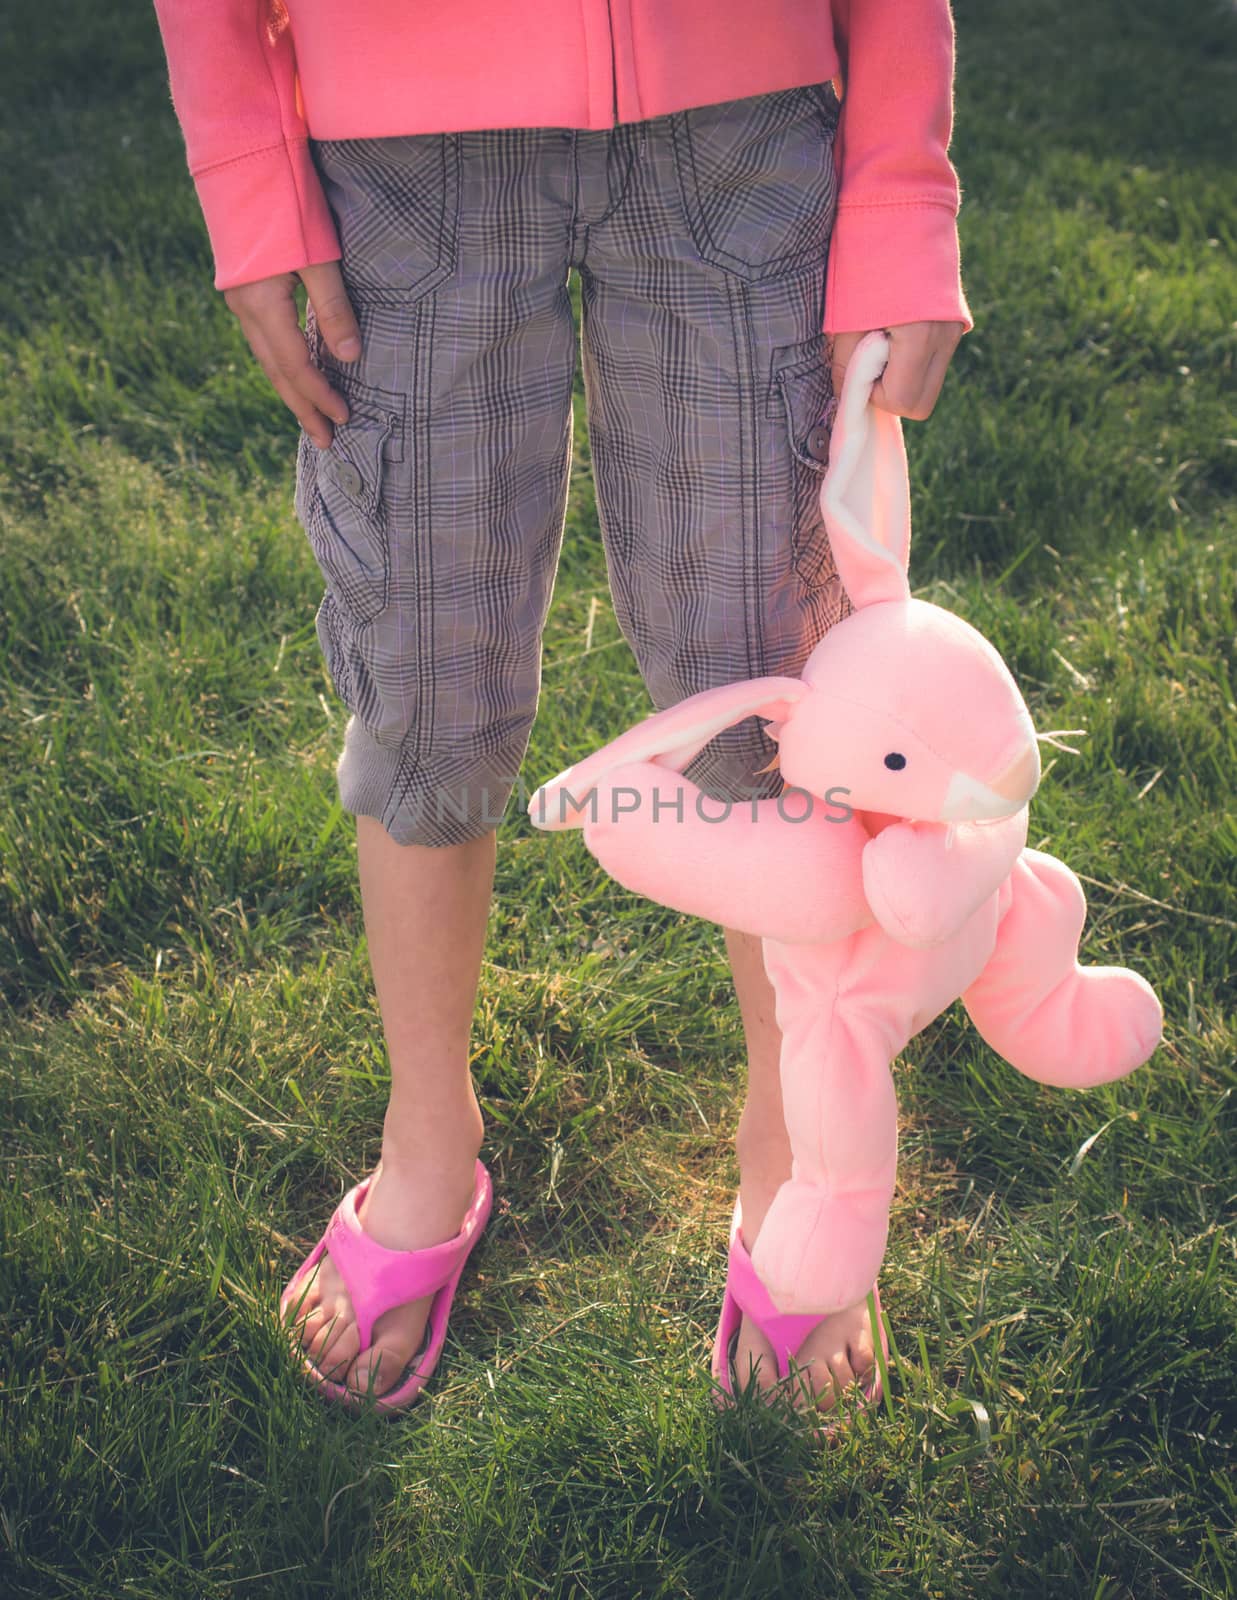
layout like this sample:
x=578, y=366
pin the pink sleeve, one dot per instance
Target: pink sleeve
x=894, y=256
x=233, y=80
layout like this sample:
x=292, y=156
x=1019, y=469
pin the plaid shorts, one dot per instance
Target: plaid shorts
x=437, y=515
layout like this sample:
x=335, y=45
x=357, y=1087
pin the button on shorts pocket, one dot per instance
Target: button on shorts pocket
x=801, y=398
x=758, y=181
x=395, y=201
x=341, y=501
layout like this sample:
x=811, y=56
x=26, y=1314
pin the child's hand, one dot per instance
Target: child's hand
x=268, y=317
x=919, y=354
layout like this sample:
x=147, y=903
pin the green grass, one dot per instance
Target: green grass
x=191, y=1063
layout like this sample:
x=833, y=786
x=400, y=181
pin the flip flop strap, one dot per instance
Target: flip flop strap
x=785, y=1331
x=378, y=1278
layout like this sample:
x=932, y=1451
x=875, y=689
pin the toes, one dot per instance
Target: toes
x=383, y=1363
x=303, y=1302
x=817, y=1380
x=753, y=1353
x=324, y=1327
x=321, y=1323
x=863, y=1360
x=397, y=1337
x=842, y=1374
x=753, y=1366
x=339, y=1351
x=809, y=1383
x=308, y=1327
x=835, y=1363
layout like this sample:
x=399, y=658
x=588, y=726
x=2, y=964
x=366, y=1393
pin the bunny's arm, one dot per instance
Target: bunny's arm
x=747, y=864
x=922, y=885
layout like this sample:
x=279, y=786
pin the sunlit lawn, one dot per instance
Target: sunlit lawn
x=191, y=1061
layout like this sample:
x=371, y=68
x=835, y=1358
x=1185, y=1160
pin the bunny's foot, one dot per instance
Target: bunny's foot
x=1055, y=1021
x=820, y=1251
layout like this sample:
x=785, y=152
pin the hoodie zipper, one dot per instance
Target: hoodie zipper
x=613, y=63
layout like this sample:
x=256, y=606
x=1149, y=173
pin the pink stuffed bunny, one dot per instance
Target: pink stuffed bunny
x=890, y=878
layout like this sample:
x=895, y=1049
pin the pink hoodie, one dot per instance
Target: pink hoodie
x=252, y=79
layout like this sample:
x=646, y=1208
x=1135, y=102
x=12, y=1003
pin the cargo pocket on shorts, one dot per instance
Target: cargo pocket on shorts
x=758, y=180
x=341, y=504
x=801, y=397
x=395, y=201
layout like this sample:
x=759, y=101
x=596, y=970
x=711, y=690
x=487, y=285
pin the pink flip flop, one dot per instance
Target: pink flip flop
x=377, y=1279
x=746, y=1295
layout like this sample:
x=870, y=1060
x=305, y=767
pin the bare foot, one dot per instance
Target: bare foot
x=838, y=1352
x=404, y=1209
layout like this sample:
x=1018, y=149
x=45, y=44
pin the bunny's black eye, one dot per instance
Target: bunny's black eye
x=895, y=761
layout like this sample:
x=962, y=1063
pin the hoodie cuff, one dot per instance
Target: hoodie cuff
x=891, y=264
x=265, y=214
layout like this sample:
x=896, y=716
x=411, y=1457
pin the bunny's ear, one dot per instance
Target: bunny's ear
x=668, y=738
x=865, y=496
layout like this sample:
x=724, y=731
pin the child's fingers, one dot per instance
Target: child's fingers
x=910, y=388
x=337, y=323
x=268, y=319
x=919, y=357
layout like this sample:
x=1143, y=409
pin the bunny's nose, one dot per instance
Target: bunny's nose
x=1020, y=778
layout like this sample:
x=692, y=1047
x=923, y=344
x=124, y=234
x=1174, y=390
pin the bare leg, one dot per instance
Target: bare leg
x=840, y=1348
x=425, y=918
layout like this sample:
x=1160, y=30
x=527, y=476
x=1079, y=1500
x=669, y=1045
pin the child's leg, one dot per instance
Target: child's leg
x=425, y=921
x=708, y=384
x=436, y=517
x=841, y=1348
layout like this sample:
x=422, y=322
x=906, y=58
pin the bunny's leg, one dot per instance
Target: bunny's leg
x=823, y=1239
x=750, y=865
x=1052, y=1019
